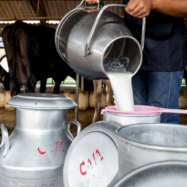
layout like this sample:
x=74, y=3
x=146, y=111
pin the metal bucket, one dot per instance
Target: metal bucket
x=142, y=144
x=92, y=159
x=127, y=119
x=94, y=42
x=162, y=174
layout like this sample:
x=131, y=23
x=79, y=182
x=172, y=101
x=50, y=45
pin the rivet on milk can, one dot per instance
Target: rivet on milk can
x=34, y=153
x=92, y=159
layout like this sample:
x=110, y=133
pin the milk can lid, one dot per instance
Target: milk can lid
x=92, y=157
x=41, y=101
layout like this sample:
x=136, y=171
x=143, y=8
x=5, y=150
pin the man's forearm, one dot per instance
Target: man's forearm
x=175, y=8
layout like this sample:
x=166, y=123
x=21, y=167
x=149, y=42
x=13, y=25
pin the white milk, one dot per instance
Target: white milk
x=122, y=86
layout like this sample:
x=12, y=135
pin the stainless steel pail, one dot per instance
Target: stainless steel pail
x=94, y=42
x=162, y=174
x=142, y=144
x=127, y=119
x=33, y=156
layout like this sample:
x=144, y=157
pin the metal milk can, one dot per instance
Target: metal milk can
x=112, y=115
x=162, y=174
x=94, y=42
x=33, y=156
x=142, y=144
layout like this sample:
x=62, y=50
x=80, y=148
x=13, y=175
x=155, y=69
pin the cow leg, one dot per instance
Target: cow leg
x=97, y=98
x=26, y=62
x=57, y=86
x=31, y=84
x=18, y=89
x=13, y=90
x=43, y=85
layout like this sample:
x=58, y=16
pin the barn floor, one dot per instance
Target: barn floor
x=85, y=118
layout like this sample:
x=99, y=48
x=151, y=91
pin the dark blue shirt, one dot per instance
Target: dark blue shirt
x=165, y=41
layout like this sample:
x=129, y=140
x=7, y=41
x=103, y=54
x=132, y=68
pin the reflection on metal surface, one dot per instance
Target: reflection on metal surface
x=162, y=174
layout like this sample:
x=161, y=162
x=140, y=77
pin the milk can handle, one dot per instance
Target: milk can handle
x=75, y=123
x=5, y=140
x=87, y=47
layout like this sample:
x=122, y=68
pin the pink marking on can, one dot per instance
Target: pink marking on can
x=42, y=153
x=56, y=148
x=97, y=152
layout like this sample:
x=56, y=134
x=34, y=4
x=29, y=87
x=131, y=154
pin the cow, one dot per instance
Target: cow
x=32, y=56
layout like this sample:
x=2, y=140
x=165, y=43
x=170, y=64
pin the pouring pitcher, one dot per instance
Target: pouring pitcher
x=94, y=42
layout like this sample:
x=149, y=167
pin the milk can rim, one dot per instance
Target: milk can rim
x=42, y=101
x=152, y=147
x=117, y=38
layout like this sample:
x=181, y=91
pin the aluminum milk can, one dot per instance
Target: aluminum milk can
x=162, y=174
x=142, y=144
x=111, y=114
x=33, y=156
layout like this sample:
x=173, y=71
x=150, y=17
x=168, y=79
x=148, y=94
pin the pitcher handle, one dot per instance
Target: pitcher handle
x=75, y=123
x=5, y=140
x=87, y=47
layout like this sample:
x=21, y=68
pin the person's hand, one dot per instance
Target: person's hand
x=92, y=1
x=139, y=8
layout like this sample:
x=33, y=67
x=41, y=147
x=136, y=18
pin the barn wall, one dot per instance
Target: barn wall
x=51, y=9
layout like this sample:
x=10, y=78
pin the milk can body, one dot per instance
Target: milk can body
x=37, y=147
x=142, y=144
x=127, y=119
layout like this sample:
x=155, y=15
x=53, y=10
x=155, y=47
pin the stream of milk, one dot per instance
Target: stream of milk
x=121, y=80
x=122, y=87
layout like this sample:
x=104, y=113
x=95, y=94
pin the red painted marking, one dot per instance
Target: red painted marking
x=49, y=144
x=42, y=153
x=56, y=148
x=83, y=173
x=97, y=152
x=89, y=161
x=51, y=151
x=63, y=146
x=94, y=158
